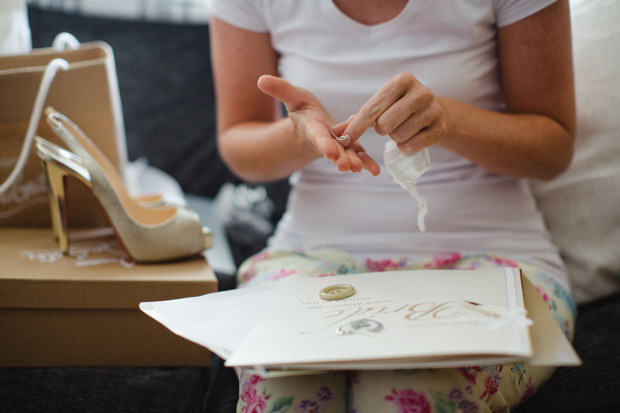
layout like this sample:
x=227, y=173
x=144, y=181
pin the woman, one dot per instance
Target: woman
x=485, y=85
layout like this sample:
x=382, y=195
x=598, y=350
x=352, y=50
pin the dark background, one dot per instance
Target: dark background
x=165, y=81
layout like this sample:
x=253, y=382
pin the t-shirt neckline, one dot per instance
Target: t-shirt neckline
x=339, y=17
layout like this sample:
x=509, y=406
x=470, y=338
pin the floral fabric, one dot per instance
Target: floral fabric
x=494, y=388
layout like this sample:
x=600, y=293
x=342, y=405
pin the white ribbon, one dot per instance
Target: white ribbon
x=516, y=316
x=64, y=41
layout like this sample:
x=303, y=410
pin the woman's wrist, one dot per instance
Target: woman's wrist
x=259, y=151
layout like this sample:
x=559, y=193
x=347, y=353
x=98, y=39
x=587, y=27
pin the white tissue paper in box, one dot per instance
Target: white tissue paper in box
x=14, y=28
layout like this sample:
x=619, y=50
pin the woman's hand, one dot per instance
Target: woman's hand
x=405, y=110
x=312, y=123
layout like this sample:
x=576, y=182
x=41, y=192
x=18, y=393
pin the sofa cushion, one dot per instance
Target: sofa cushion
x=582, y=206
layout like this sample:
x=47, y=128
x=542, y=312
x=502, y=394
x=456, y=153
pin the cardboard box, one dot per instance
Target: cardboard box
x=82, y=309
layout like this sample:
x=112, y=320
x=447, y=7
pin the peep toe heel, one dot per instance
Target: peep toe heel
x=45, y=148
x=147, y=234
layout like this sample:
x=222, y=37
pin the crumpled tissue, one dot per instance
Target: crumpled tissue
x=406, y=170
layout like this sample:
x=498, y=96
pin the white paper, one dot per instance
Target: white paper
x=219, y=321
x=222, y=321
x=406, y=170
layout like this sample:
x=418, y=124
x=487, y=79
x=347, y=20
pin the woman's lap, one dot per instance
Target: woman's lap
x=493, y=388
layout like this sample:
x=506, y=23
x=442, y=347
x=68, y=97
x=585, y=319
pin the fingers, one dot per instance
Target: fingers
x=414, y=106
x=355, y=160
x=425, y=118
x=346, y=159
x=369, y=164
x=336, y=153
x=428, y=136
x=338, y=131
x=321, y=139
x=309, y=118
x=393, y=90
x=405, y=110
x=293, y=97
x=313, y=125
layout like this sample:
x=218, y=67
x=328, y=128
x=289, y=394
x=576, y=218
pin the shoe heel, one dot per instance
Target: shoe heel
x=56, y=185
x=57, y=169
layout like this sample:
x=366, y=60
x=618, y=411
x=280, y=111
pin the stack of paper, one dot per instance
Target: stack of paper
x=401, y=319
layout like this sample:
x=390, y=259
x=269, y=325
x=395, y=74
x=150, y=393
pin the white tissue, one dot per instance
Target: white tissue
x=406, y=170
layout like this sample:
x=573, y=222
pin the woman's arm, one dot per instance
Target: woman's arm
x=245, y=116
x=534, y=138
x=254, y=140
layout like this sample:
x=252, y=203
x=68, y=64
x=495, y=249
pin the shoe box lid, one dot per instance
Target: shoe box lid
x=96, y=274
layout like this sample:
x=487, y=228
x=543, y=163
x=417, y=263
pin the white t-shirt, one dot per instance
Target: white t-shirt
x=450, y=46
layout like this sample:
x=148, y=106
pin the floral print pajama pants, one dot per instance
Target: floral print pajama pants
x=493, y=388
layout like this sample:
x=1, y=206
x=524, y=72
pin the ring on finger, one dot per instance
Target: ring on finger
x=345, y=139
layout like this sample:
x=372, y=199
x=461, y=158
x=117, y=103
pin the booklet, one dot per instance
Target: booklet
x=386, y=320
x=402, y=319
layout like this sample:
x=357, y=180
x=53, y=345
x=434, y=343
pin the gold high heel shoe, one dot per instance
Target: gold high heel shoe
x=150, y=200
x=148, y=234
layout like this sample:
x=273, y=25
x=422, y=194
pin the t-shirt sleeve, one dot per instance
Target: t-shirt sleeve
x=511, y=11
x=245, y=14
